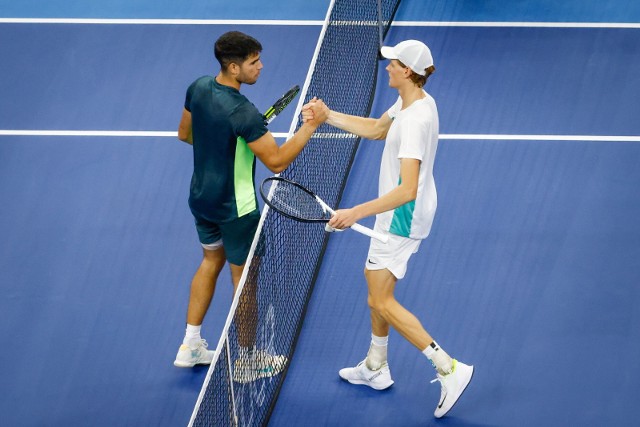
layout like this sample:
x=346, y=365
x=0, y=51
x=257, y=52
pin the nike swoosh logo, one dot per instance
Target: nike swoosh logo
x=371, y=262
x=442, y=402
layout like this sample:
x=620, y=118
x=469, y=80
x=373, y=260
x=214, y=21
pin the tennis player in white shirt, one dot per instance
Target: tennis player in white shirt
x=404, y=210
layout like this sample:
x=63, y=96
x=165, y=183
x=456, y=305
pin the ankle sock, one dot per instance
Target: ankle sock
x=377, y=355
x=192, y=336
x=440, y=360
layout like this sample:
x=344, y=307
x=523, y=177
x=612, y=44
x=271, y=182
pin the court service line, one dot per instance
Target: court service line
x=517, y=24
x=485, y=137
x=129, y=21
x=502, y=137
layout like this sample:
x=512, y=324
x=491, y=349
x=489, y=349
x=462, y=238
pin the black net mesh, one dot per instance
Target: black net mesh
x=287, y=256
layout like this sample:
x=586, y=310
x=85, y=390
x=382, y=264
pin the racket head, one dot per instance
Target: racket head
x=292, y=200
x=280, y=104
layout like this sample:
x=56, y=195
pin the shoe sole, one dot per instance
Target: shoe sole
x=367, y=383
x=188, y=365
x=473, y=370
x=358, y=382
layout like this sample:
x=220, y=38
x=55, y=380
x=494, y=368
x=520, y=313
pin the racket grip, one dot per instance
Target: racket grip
x=369, y=232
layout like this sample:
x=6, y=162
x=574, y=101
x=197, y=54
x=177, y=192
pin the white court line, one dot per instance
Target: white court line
x=86, y=133
x=113, y=133
x=517, y=24
x=312, y=23
x=157, y=21
x=586, y=138
x=485, y=137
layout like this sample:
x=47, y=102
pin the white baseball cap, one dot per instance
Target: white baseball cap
x=412, y=53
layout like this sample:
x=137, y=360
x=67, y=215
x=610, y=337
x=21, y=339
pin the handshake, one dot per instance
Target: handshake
x=315, y=112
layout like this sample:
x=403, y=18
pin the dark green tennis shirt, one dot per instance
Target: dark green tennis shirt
x=223, y=120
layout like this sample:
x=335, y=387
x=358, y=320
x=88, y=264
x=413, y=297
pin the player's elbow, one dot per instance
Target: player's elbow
x=379, y=130
x=276, y=169
x=277, y=161
x=183, y=135
x=382, y=134
x=276, y=166
x=409, y=193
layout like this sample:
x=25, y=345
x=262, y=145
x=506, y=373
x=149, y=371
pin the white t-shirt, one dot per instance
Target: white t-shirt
x=413, y=135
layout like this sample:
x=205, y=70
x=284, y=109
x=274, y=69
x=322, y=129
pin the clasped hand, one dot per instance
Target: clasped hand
x=315, y=112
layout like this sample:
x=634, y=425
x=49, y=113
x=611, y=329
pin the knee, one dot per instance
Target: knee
x=378, y=304
x=212, y=265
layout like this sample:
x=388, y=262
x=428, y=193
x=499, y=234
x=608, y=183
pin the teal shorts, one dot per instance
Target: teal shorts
x=235, y=236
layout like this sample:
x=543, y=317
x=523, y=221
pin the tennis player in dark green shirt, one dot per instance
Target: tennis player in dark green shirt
x=227, y=133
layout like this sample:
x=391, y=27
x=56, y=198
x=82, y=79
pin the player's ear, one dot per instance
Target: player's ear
x=233, y=69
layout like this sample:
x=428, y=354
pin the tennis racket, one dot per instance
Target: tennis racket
x=301, y=204
x=280, y=104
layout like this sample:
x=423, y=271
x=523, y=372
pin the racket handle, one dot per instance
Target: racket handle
x=356, y=227
x=369, y=232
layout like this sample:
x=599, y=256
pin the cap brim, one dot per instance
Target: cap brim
x=387, y=52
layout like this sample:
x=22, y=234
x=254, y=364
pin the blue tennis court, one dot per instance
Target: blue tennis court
x=530, y=272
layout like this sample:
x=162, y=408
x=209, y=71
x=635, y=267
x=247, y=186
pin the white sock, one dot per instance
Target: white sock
x=192, y=336
x=377, y=355
x=381, y=341
x=439, y=358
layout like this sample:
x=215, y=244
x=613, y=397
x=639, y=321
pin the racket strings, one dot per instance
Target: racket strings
x=294, y=201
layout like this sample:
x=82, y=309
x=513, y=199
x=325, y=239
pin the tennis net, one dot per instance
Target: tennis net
x=269, y=307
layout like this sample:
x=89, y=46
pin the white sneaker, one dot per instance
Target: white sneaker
x=378, y=380
x=452, y=386
x=188, y=357
x=258, y=364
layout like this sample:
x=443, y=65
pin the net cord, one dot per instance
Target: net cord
x=265, y=211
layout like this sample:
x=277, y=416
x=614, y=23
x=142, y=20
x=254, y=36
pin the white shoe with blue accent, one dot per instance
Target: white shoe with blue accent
x=189, y=357
x=258, y=364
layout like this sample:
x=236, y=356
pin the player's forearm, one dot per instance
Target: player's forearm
x=288, y=151
x=393, y=199
x=365, y=127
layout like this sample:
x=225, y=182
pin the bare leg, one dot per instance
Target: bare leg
x=203, y=285
x=247, y=311
x=385, y=310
